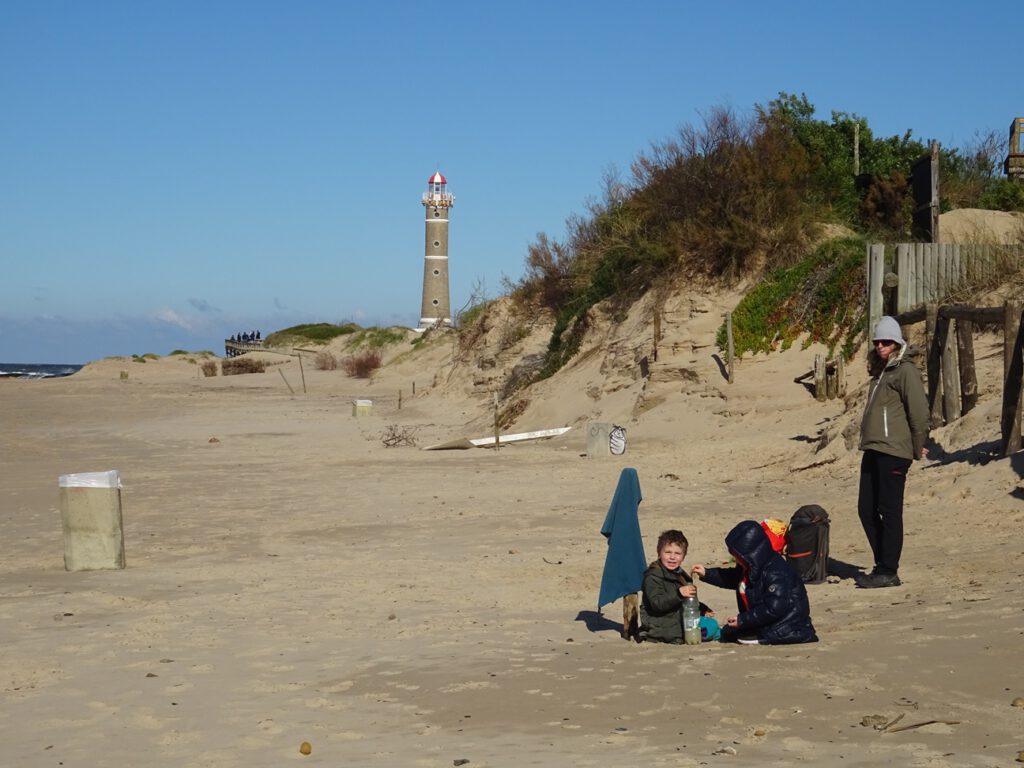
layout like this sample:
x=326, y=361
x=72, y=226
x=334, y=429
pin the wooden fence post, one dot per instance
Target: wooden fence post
x=875, y=273
x=1011, y=315
x=497, y=427
x=840, y=376
x=657, y=334
x=950, y=375
x=820, y=387
x=731, y=351
x=1012, y=389
x=968, y=374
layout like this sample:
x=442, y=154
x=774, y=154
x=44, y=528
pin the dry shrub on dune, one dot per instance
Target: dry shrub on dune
x=209, y=368
x=362, y=364
x=325, y=361
x=237, y=365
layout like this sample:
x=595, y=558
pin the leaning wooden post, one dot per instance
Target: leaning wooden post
x=933, y=345
x=840, y=376
x=730, y=352
x=820, y=387
x=286, y=381
x=950, y=376
x=302, y=373
x=968, y=374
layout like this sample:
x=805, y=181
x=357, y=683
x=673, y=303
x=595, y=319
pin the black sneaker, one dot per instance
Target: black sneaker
x=875, y=580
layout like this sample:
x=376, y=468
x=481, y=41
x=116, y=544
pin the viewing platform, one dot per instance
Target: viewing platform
x=234, y=348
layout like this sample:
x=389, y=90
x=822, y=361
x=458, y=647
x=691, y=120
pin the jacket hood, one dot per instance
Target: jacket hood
x=887, y=329
x=749, y=541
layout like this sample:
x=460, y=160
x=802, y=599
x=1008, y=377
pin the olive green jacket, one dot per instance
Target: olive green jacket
x=661, y=611
x=896, y=417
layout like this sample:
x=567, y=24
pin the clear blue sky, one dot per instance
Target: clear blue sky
x=175, y=172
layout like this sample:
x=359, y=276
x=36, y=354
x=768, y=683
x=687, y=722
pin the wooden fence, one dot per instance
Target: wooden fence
x=903, y=276
x=950, y=367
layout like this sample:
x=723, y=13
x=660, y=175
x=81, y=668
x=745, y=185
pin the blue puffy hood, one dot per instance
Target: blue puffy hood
x=751, y=544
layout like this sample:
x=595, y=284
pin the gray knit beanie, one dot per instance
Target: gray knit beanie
x=888, y=328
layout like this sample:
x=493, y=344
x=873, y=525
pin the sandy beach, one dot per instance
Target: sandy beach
x=290, y=579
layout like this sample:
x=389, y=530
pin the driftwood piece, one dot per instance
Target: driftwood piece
x=893, y=722
x=921, y=725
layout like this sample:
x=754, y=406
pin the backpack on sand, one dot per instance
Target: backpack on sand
x=807, y=543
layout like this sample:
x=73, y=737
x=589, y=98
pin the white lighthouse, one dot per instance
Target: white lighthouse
x=436, y=308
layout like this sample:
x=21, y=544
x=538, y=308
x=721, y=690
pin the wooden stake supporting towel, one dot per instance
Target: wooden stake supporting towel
x=630, y=616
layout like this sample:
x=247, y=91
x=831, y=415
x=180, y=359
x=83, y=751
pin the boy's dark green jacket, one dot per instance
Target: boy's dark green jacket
x=896, y=417
x=661, y=611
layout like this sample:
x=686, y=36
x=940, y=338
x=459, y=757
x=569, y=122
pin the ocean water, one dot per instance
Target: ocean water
x=36, y=370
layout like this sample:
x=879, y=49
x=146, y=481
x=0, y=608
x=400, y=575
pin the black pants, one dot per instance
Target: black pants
x=880, y=505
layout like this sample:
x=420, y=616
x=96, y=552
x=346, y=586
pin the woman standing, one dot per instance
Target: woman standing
x=892, y=434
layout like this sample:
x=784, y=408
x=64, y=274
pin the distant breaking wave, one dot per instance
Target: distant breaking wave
x=36, y=370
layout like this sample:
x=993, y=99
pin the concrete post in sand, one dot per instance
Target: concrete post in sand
x=435, y=308
x=90, y=510
x=597, y=439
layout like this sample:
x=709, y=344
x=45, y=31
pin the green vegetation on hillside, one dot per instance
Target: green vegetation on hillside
x=314, y=332
x=822, y=296
x=743, y=197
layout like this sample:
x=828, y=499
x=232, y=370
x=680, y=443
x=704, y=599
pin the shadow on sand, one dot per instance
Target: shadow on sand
x=597, y=622
x=844, y=570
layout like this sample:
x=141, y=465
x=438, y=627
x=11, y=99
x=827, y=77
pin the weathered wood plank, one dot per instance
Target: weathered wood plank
x=950, y=376
x=905, y=269
x=968, y=373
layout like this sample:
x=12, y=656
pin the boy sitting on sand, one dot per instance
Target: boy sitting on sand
x=664, y=587
x=772, y=599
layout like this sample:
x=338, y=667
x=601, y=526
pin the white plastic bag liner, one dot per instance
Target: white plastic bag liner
x=109, y=479
x=362, y=402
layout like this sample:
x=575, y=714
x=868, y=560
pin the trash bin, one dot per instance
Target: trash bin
x=90, y=510
x=362, y=407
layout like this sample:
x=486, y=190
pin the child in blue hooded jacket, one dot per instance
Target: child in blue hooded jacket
x=771, y=597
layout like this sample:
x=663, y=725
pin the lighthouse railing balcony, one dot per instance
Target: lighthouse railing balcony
x=438, y=198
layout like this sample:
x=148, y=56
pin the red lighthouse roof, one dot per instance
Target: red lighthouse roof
x=437, y=178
